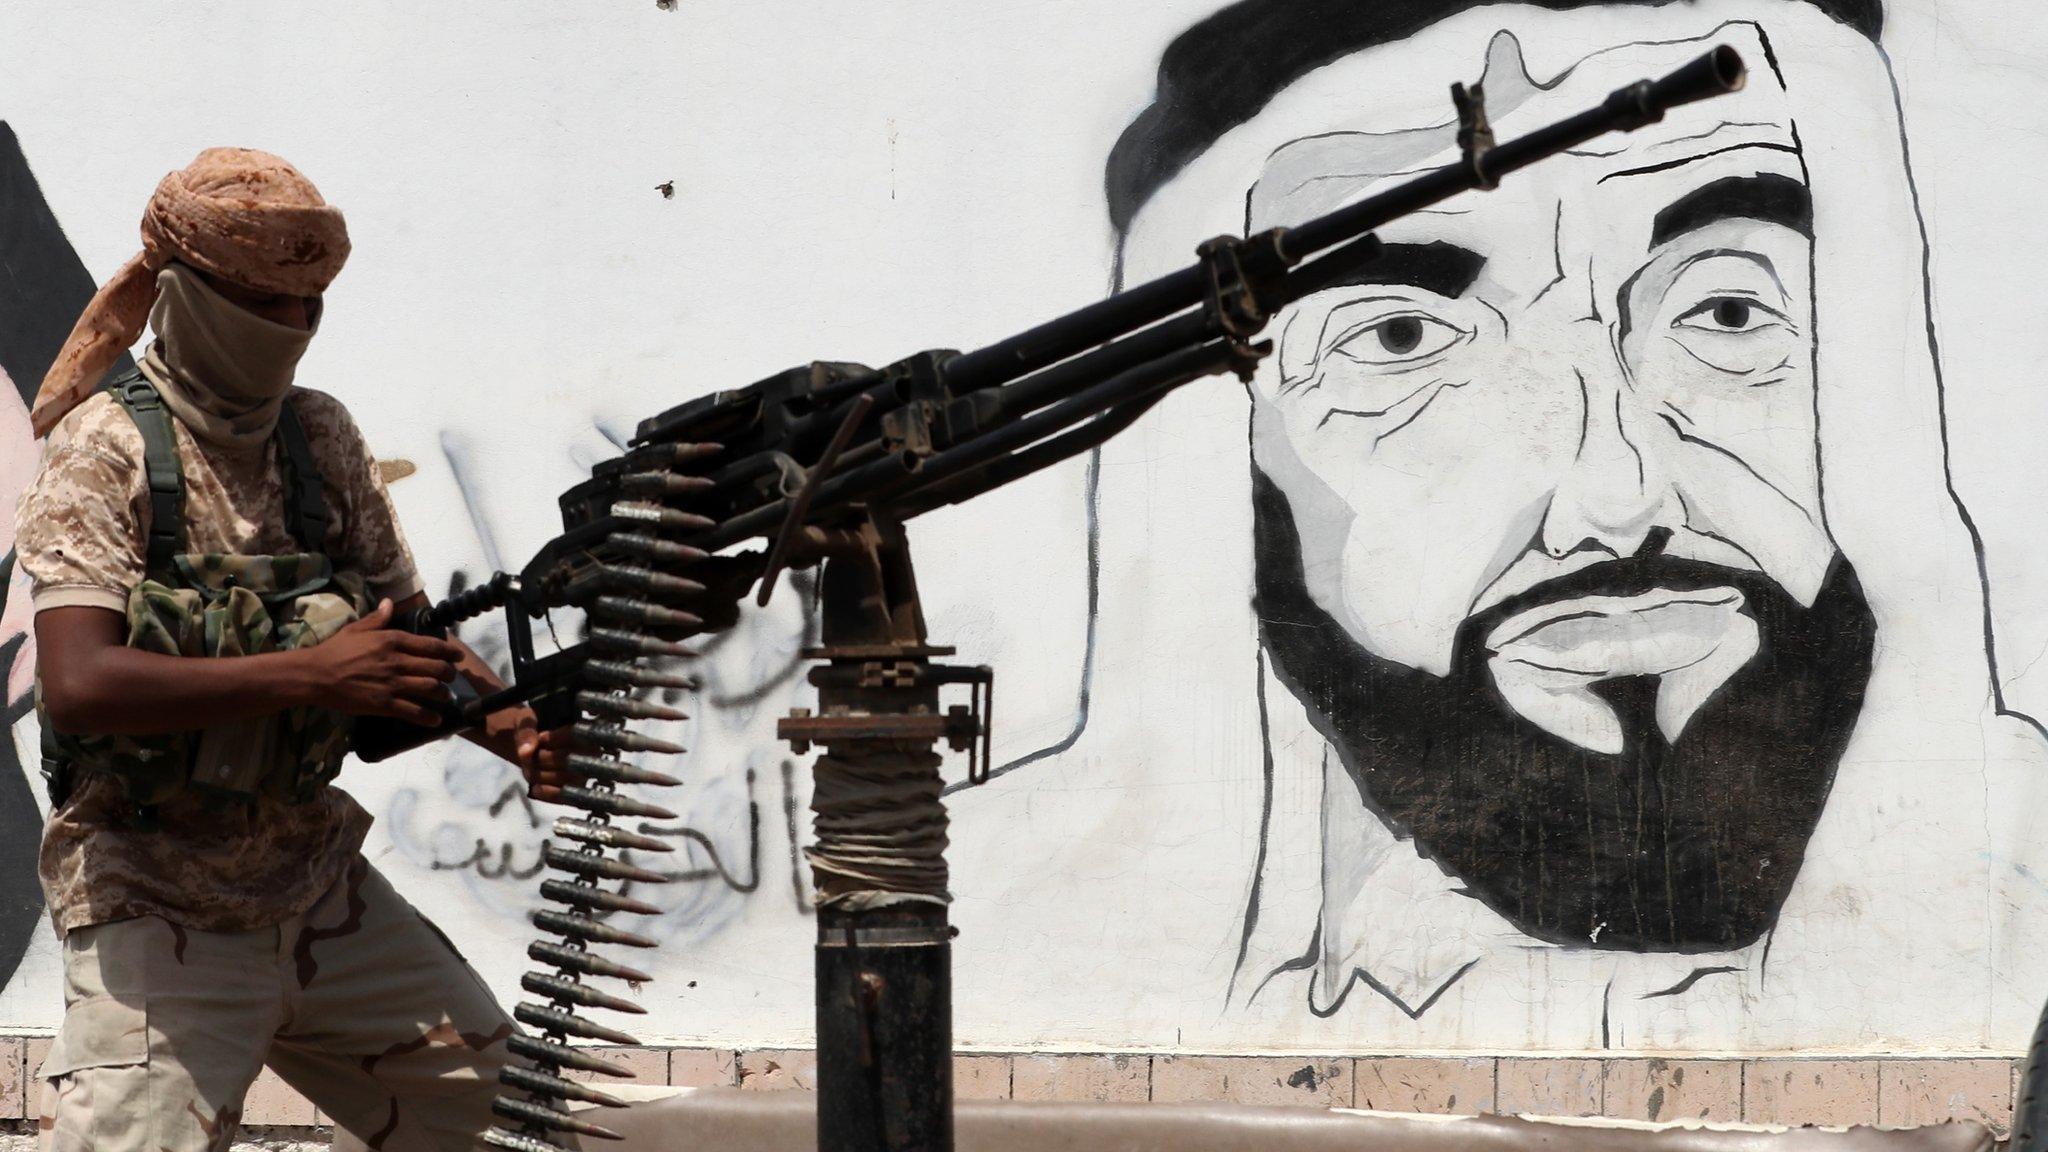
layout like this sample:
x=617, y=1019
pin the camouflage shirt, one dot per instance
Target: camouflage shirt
x=82, y=526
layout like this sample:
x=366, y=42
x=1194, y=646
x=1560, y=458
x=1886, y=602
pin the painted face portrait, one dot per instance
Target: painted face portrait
x=1538, y=518
x=1563, y=513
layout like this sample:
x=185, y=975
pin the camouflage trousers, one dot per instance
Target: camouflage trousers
x=361, y=1004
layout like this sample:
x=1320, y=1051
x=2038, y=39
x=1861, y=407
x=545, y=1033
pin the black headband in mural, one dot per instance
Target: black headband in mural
x=1221, y=72
x=43, y=288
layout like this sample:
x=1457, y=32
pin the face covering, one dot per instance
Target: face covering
x=246, y=216
x=222, y=369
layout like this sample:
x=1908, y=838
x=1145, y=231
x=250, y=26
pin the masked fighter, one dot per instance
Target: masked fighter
x=1612, y=642
x=214, y=560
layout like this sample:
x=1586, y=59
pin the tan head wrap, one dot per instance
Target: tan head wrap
x=245, y=216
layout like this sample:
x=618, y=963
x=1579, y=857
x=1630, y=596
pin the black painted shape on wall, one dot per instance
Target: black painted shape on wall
x=43, y=283
x=1223, y=70
x=1683, y=847
x=21, y=894
x=43, y=288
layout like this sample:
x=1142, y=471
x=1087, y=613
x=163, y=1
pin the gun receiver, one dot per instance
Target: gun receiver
x=941, y=427
x=826, y=462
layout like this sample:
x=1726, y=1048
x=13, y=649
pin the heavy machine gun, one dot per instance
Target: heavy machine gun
x=824, y=464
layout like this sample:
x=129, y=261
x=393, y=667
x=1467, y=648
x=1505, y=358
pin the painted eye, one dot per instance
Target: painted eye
x=1397, y=339
x=1729, y=314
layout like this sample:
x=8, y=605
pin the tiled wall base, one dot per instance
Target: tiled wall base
x=1893, y=1093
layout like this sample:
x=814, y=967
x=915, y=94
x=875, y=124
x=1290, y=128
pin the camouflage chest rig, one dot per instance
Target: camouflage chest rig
x=214, y=604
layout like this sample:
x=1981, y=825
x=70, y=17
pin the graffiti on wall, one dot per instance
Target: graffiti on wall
x=739, y=831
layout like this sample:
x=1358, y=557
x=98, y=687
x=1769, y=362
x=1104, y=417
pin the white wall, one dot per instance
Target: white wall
x=859, y=182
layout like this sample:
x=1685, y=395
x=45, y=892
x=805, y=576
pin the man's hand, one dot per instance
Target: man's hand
x=513, y=734
x=371, y=669
x=543, y=757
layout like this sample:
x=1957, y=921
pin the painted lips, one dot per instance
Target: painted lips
x=1548, y=659
x=1656, y=632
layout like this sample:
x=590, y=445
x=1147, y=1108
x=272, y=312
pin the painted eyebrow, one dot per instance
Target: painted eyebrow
x=1438, y=267
x=1768, y=197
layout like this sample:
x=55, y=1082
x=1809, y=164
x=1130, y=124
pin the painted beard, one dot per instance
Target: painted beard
x=1685, y=845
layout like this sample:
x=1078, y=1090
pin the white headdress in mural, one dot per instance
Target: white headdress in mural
x=1204, y=783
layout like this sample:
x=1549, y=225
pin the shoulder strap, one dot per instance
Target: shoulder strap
x=305, y=491
x=166, y=475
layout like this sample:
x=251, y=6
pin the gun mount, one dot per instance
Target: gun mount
x=825, y=463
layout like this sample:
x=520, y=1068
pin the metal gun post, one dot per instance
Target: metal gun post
x=884, y=945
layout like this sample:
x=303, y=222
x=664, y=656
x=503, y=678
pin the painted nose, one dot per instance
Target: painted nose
x=1615, y=491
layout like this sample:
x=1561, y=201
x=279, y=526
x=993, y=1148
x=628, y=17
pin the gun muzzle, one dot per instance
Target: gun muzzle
x=1716, y=73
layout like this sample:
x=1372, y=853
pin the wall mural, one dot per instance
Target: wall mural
x=1572, y=638
x=1537, y=517
x=1577, y=618
x=43, y=287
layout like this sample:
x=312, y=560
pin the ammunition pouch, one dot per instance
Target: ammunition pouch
x=57, y=775
x=207, y=605
x=226, y=606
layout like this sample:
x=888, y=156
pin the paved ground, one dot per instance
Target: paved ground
x=14, y=1139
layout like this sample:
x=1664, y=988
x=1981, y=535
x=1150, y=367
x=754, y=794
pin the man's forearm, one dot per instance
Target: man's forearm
x=94, y=683
x=122, y=690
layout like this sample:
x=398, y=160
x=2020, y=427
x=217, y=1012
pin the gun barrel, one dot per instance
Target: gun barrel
x=1043, y=405
x=1625, y=109
x=1134, y=384
x=1055, y=340
x=1039, y=394
x=1714, y=73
